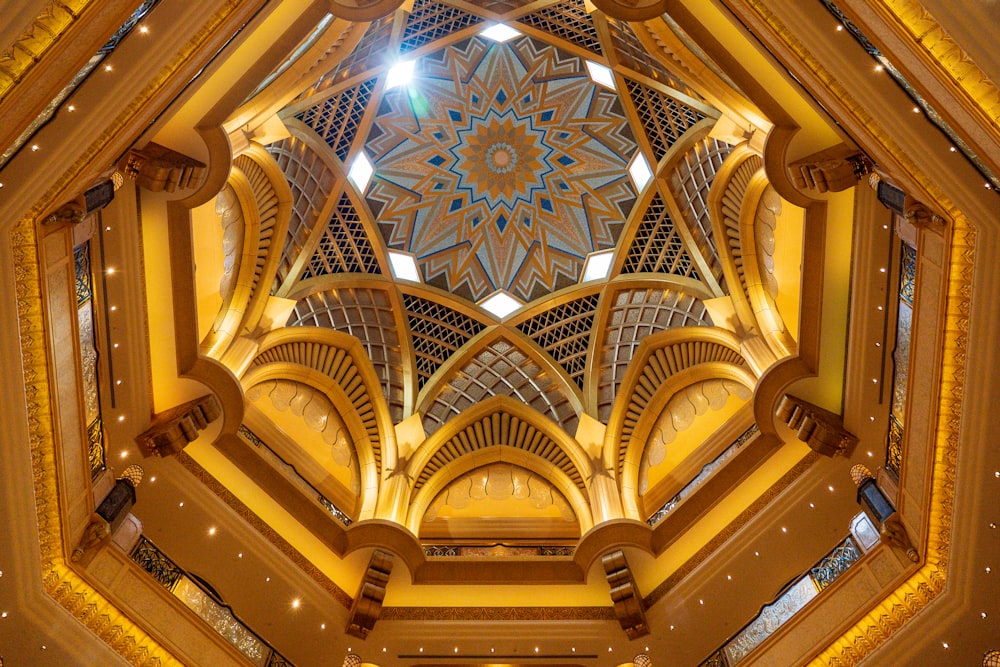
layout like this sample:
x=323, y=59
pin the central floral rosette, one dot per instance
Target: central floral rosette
x=502, y=159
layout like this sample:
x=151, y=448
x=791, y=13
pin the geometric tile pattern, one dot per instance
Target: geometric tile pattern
x=637, y=313
x=564, y=332
x=493, y=189
x=336, y=118
x=311, y=182
x=689, y=183
x=568, y=20
x=430, y=20
x=664, y=118
x=501, y=370
x=344, y=247
x=366, y=314
x=437, y=332
x=657, y=247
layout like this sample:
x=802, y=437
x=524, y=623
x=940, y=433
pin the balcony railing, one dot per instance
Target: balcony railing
x=197, y=597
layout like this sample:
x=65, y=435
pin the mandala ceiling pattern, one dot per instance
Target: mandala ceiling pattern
x=502, y=165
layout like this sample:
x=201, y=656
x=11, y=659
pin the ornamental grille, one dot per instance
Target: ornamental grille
x=437, y=332
x=266, y=201
x=564, y=332
x=636, y=314
x=732, y=206
x=431, y=20
x=311, y=182
x=634, y=55
x=336, y=119
x=370, y=53
x=664, y=118
x=657, y=247
x=344, y=247
x=501, y=370
x=501, y=429
x=689, y=184
x=568, y=20
x=366, y=314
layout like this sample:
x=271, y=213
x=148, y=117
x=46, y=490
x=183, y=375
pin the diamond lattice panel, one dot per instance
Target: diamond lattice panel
x=568, y=20
x=664, y=118
x=370, y=53
x=437, y=332
x=431, y=20
x=336, y=119
x=501, y=370
x=344, y=247
x=636, y=313
x=311, y=182
x=564, y=332
x=366, y=314
x=501, y=166
x=657, y=247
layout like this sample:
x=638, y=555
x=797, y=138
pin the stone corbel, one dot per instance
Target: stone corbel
x=918, y=215
x=821, y=429
x=170, y=431
x=830, y=170
x=367, y=605
x=97, y=532
x=628, y=603
x=161, y=169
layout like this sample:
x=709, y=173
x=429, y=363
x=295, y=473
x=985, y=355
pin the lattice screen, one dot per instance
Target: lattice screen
x=732, y=203
x=633, y=55
x=664, y=118
x=657, y=247
x=266, y=200
x=437, y=332
x=689, y=184
x=564, y=332
x=568, y=20
x=336, y=119
x=344, y=247
x=311, y=182
x=495, y=430
x=635, y=314
x=366, y=314
x=431, y=20
x=501, y=370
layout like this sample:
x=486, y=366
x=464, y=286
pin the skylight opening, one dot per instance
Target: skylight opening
x=640, y=172
x=399, y=74
x=601, y=75
x=404, y=266
x=501, y=304
x=597, y=266
x=361, y=172
x=500, y=32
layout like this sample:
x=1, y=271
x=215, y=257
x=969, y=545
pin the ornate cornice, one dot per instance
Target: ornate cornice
x=30, y=47
x=61, y=582
x=927, y=34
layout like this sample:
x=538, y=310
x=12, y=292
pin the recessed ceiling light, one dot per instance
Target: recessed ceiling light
x=597, y=266
x=361, y=172
x=322, y=626
x=295, y=603
x=640, y=172
x=500, y=32
x=399, y=74
x=211, y=531
x=404, y=266
x=601, y=75
x=500, y=304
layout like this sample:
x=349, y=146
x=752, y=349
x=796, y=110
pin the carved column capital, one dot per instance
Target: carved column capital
x=821, y=429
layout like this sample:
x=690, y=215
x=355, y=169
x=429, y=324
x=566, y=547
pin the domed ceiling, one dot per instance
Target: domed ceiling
x=500, y=166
